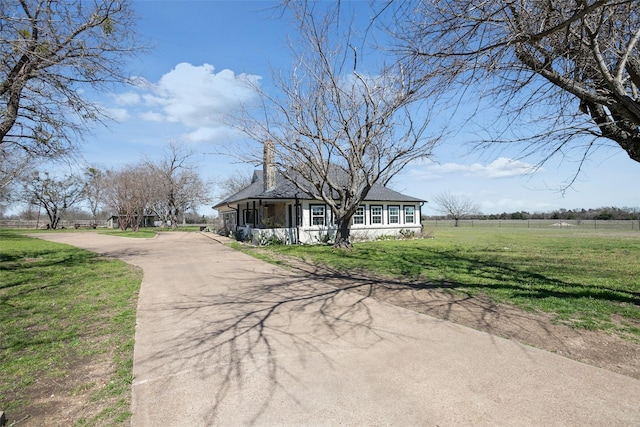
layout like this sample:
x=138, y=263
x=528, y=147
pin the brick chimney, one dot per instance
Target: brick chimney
x=269, y=166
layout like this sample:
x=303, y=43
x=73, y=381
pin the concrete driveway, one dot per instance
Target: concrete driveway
x=224, y=339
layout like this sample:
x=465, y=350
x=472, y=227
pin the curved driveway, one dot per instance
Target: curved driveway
x=224, y=339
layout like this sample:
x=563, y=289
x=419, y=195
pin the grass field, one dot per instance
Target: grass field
x=59, y=308
x=588, y=278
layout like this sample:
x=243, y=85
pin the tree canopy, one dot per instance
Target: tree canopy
x=176, y=185
x=55, y=195
x=571, y=66
x=50, y=51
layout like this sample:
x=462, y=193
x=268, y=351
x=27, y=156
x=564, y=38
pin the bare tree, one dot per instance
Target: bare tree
x=177, y=186
x=232, y=184
x=336, y=129
x=15, y=164
x=129, y=194
x=94, y=187
x=572, y=65
x=49, y=52
x=53, y=194
x=456, y=207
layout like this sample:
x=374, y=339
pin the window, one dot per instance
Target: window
x=376, y=214
x=409, y=214
x=317, y=215
x=229, y=219
x=358, y=216
x=250, y=216
x=394, y=214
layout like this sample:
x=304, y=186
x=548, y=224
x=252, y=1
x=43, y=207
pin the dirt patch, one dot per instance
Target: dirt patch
x=67, y=399
x=537, y=329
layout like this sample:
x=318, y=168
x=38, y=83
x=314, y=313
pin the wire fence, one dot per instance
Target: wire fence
x=536, y=223
x=42, y=223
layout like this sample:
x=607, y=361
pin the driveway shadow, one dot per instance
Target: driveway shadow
x=255, y=325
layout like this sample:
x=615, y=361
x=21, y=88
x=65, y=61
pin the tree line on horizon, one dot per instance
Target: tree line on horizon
x=603, y=213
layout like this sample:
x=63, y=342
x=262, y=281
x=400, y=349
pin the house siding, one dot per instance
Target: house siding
x=310, y=233
x=280, y=220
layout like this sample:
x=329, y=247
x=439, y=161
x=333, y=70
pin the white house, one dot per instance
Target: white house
x=272, y=206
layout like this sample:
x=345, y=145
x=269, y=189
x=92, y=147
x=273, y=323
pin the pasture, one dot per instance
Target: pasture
x=585, y=277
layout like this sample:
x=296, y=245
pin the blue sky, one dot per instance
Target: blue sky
x=202, y=53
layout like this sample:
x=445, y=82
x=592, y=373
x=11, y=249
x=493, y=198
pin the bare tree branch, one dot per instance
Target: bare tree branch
x=338, y=130
x=55, y=195
x=456, y=207
x=49, y=53
x=578, y=59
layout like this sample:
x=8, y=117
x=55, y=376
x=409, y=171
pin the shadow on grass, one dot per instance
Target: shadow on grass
x=48, y=265
x=517, y=282
x=479, y=301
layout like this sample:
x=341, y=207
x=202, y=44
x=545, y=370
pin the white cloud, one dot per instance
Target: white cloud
x=502, y=167
x=153, y=101
x=117, y=114
x=152, y=116
x=195, y=96
x=127, y=98
x=218, y=133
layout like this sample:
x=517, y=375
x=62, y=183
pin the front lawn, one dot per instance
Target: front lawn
x=586, y=279
x=67, y=322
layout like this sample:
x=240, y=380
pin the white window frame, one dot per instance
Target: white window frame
x=374, y=216
x=412, y=215
x=359, y=214
x=316, y=216
x=395, y=216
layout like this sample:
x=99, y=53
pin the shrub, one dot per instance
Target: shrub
x=270, y=241
x=238, y=235
x=386, y=237
x=407, y=234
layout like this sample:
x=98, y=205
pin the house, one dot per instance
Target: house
x=271, y=206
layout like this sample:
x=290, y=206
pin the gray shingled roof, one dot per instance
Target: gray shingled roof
x=284, y=189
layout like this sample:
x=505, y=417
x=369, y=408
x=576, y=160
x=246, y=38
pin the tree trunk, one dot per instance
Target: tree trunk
x=53, y=217
x=343, y=233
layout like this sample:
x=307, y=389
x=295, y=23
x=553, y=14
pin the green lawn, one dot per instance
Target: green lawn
x=588, y=279
x=60, y=307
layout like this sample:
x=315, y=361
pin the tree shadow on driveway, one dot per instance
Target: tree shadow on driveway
x=229, y=333
x=460, y=303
